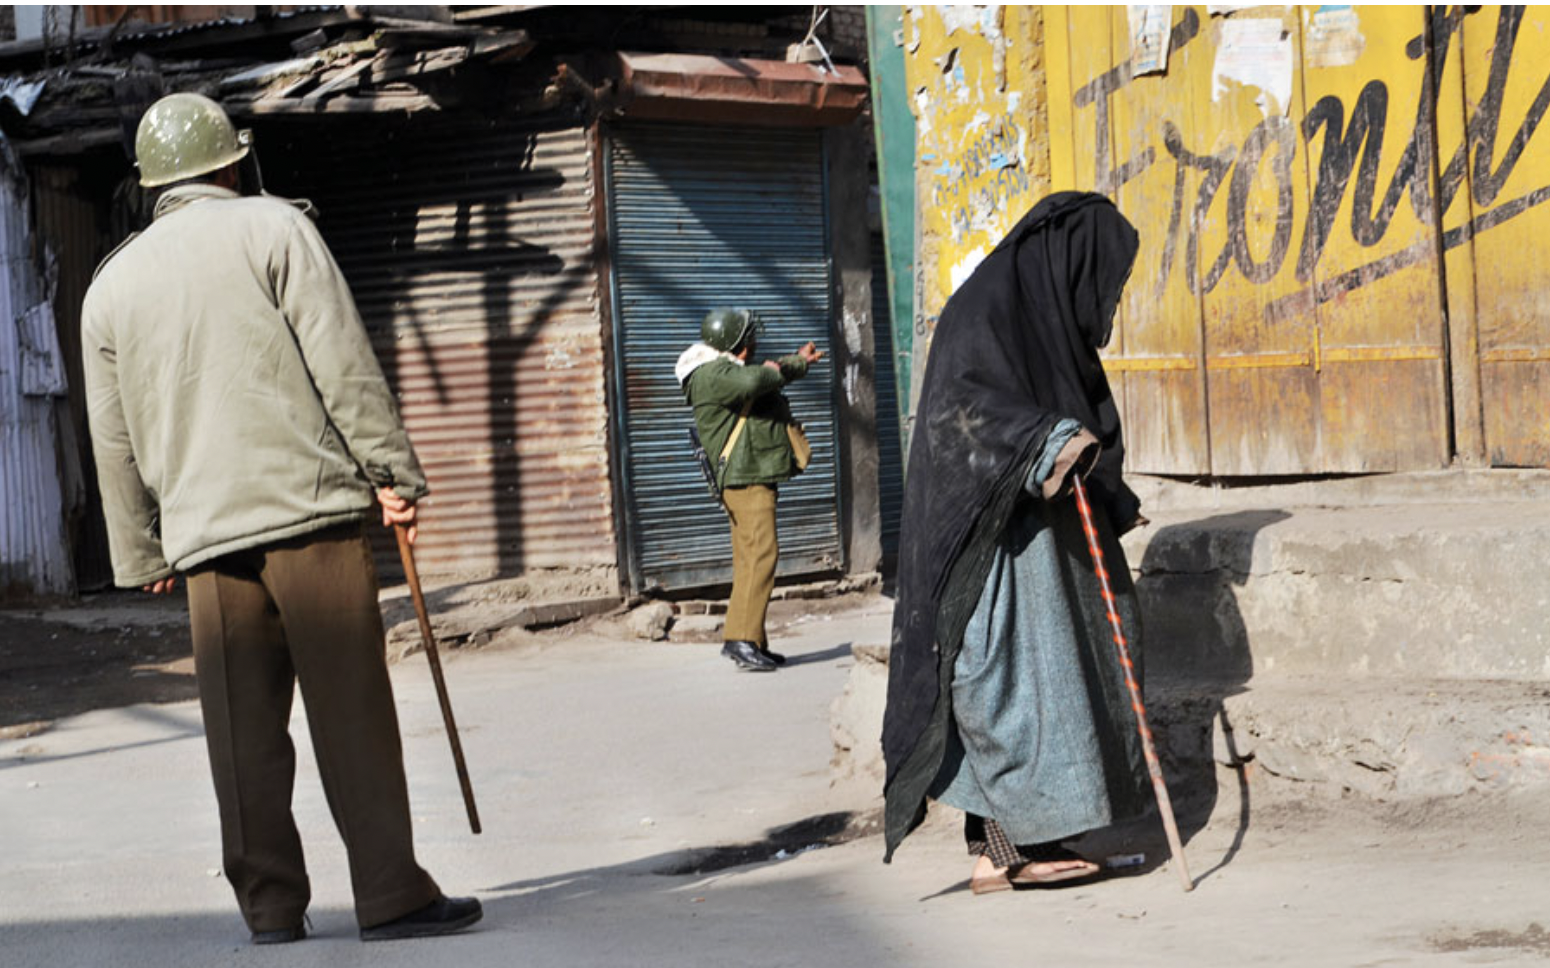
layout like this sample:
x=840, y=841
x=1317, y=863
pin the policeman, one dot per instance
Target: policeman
x=243, y=432
x=744, y=424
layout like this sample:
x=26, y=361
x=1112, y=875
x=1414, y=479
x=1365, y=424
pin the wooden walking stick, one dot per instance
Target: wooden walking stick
x=406, y=553
x=1148, y=749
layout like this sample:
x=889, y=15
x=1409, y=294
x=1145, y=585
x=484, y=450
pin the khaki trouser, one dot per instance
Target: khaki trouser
x=754, y=554
x=305, y=611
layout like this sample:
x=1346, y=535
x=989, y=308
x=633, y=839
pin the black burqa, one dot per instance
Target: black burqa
x=1015, y=351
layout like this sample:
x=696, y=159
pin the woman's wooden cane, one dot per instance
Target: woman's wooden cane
x=1148, y=749
x=406, y=553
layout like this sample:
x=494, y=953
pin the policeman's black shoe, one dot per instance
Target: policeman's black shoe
x=774, y=657
x=280, y=935
x=748, y=656
x=442, y=916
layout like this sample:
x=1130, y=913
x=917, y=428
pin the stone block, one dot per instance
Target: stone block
x=650, y=621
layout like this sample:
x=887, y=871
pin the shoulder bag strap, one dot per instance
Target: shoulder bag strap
x=737, y=431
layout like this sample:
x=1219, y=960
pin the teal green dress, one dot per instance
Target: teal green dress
x=1044, y=741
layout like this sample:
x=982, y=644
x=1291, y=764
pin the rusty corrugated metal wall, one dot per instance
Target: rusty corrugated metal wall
x=70, y=227
x=34, y=554
x=470, y=248
x=1341, y=212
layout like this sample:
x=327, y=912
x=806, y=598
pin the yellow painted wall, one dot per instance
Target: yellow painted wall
x=1332, y=276
x=1499, y=225
x=976, y=77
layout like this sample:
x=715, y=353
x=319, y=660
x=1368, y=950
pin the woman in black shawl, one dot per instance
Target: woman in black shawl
x=1005, y=697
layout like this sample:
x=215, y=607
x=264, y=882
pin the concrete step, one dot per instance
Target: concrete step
x=1420, y=591
x=1379, y=739
x=1381, y=636
x=1453, y=486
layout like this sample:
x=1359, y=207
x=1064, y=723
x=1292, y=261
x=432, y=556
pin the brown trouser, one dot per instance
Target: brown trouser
x=303, y=610
x=754, y=554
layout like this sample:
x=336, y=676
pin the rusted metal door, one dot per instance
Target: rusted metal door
x=469, y=245
x=1495, y=183
x=1286, y=313
x=1368, y=259
x=702, y=217
x=71, y=226
x=1156, y=359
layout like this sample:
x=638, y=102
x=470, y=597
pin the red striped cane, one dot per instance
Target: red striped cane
x=1148, y=749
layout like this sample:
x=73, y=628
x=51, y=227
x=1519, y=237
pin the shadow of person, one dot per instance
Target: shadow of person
x=841, y=651
x=1196, y=653
x=779, y=844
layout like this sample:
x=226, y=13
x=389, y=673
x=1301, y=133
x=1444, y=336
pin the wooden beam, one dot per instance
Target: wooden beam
x=70, y=143
x=343, y=104
x=348, y=77
x=484, y=13
x=401, y=66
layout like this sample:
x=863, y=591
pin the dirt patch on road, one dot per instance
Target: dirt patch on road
x=1534, y=939
x=50, y=670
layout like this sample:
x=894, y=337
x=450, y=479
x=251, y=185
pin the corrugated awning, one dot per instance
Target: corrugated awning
x=689, y=87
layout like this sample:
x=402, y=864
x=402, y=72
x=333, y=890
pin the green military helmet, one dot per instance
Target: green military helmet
x=183, y=136
x=727, y=329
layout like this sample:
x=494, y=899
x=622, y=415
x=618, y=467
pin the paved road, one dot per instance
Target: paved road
x=602, y=766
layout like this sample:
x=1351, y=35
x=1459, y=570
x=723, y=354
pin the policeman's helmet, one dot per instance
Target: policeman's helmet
x=186, y=135
x=728, y=329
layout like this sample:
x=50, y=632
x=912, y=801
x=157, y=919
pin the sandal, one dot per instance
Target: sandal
x=1043, y=855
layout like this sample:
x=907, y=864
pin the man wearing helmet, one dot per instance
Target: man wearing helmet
x=242, y=430
x=742, y=417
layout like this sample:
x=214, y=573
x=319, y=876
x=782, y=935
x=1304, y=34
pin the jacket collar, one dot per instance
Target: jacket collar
x=182, y=196
x=697, y=356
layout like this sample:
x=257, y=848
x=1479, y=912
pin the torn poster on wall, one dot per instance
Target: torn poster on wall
x=1333, y=37
x=1149, y=27
x=1255, y=53
x=1228, y=9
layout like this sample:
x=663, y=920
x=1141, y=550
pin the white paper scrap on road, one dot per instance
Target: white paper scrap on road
x=1255, y=53
x=1150, y=24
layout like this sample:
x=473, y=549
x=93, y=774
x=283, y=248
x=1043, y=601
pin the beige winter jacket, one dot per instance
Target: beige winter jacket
x=234, y=397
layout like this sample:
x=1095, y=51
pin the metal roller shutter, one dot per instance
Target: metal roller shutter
x=704, y=217
x=470, y=249
x=890, y=451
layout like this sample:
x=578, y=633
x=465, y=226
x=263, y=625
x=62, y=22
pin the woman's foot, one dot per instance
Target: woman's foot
x=987, y=878
x=1052, y=864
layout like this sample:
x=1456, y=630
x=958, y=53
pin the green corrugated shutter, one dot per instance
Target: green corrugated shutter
x=703, y=217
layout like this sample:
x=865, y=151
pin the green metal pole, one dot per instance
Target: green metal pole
x=895, y=129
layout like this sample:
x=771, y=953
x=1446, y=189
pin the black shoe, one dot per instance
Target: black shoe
x=748, y=656
x=442, y=916
x=774, y=657
x=280, y=935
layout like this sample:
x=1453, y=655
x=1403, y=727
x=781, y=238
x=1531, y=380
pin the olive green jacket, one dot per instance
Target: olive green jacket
x=234, y=397
x=717, y=390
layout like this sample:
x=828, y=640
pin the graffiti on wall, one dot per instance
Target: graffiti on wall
x=978, y=97
x=1347, y=145
x=984, y=179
